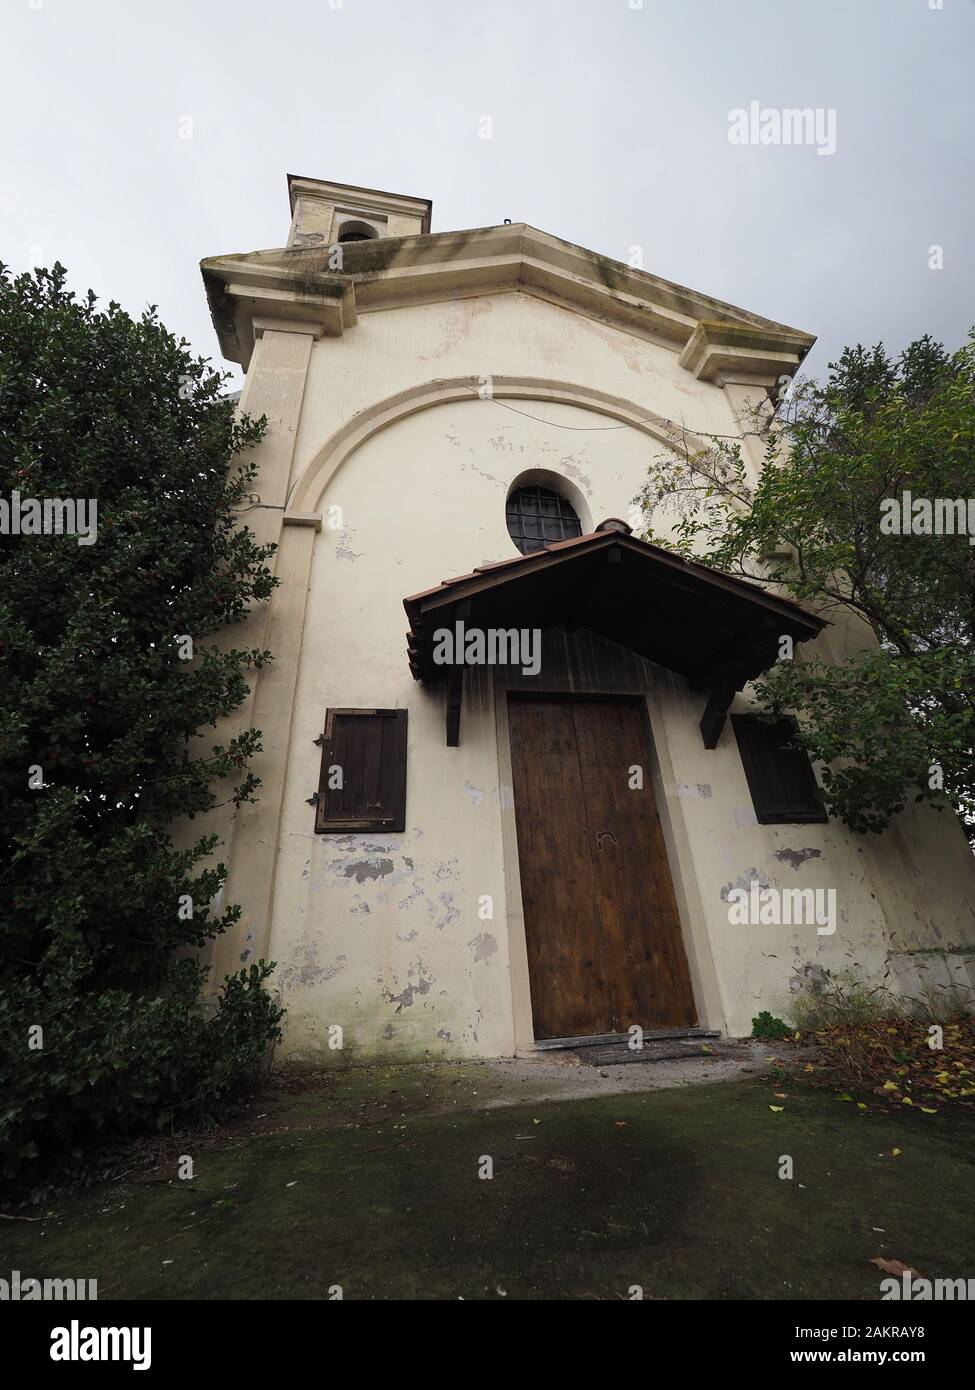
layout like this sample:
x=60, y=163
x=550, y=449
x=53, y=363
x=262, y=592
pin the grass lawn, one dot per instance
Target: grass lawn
x=368, y=1179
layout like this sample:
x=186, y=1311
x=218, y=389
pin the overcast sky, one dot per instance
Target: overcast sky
x=610, y=128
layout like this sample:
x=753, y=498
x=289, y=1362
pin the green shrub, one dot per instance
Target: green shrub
x=766, y=1026
x=114, y=677
x=113, y=1065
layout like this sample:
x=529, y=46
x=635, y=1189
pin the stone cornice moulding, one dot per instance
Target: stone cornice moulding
x=278, y=325
x=712, y=337
x=244, y=306
x=720, y=351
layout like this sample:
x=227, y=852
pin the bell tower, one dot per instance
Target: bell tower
x=329, y=214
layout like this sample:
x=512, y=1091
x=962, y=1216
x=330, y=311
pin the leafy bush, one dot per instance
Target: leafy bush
x=766, y=1026
x=109, y=671
x=112, y=1064
x=892, y=723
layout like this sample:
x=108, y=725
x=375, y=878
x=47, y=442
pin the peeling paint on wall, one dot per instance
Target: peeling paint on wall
x=368, y=869
x=407, y=997
x=484, y=946
x=450, y=911
x=343, y=545
x=795, y=857
x=573, y=471
x=499, y=441
x=744, y=881
x=306, y=969
x=810, y=978
x=691, y=791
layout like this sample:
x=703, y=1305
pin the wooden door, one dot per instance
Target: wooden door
x=604, y=939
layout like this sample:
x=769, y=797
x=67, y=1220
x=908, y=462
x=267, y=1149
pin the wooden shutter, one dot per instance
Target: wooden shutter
x=369, y=745
x=780, y=777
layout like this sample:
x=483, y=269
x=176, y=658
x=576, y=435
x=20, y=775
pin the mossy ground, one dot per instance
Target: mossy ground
x=369, y=1179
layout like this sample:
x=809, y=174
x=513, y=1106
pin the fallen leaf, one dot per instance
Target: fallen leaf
x=896, y=1153
x=894, y=1267
x=777, y=1108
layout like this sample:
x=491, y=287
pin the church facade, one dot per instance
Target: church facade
x=512, y=788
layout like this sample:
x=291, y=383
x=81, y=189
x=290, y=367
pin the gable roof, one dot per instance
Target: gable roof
x=716, y=630
x=298, y=284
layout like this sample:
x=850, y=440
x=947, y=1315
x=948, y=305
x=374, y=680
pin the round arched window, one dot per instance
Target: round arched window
x=537, y=516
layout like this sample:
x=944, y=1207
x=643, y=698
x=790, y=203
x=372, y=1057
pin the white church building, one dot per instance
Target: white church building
x=512, y=790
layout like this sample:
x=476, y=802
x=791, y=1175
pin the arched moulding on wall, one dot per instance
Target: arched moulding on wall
x=307, y=493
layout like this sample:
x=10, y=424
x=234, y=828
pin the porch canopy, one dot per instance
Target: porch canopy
x=717, y=631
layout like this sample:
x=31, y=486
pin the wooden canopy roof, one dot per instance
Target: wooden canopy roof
x=717, y=631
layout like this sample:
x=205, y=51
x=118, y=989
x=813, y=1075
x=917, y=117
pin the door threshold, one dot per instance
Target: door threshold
x=604, y=1039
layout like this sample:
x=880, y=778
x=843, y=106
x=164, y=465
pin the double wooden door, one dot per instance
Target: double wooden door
x=604, y=940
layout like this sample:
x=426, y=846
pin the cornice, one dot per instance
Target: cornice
x=297, y=284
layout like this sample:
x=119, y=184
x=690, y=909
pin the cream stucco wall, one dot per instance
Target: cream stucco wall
x=382, y=935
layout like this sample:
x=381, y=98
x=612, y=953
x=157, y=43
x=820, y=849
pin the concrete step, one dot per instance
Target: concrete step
x=608, y=1039
x=619, y=1054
